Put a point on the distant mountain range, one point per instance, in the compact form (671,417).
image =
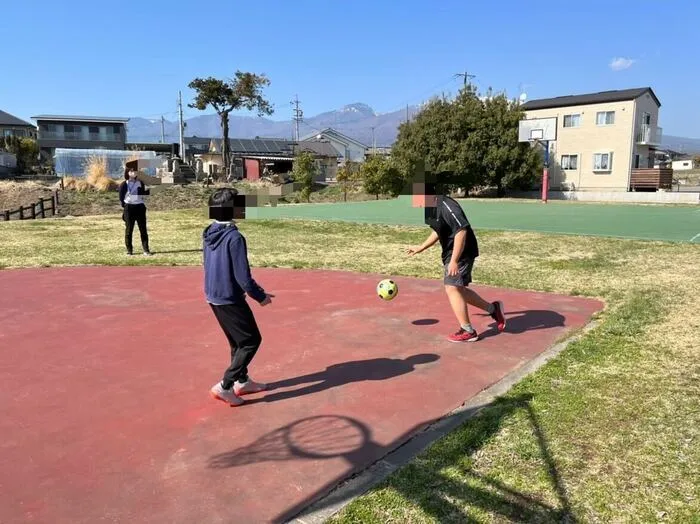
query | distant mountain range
(354,120)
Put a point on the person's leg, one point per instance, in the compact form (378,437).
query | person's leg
(143,230)
(244,337)
(458,304)
(129,231)
(453,287)
(495,309)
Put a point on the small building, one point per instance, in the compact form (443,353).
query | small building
(10,125)
(80,132)
(171,149)
(348,148)
(605,141)
(684,163)
(252,157)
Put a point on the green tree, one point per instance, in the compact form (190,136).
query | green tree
(507,163)
(381,176)
(348,177)
(444,134)
(304,172)
(469,142)
(244,91)
(25,149)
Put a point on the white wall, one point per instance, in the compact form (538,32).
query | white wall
(682,165)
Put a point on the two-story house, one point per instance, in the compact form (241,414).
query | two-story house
(10,125)
(601,138)
(80,132)
(348,148)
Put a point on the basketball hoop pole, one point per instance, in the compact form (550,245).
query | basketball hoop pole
(545,172)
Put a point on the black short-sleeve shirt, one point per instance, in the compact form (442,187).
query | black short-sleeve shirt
(447,219)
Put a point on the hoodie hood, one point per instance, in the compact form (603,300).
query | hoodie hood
(216,233)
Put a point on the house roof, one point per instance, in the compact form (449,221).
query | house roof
(78,118)
(6,119)
(267,146)
(590,98)
(317,147)
(335,134)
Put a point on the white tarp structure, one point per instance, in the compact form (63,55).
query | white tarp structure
(73,162)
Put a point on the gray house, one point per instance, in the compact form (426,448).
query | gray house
(12,126)
(80,132)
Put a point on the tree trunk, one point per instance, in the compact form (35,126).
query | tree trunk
(500,191)
(224,146)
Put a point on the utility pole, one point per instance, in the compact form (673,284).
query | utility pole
(162,129)
(182,127)
(298,114)
(466,76)
(374,144)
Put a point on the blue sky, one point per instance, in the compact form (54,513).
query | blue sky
(130,58)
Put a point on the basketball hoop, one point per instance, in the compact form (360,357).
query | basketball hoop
(540,132)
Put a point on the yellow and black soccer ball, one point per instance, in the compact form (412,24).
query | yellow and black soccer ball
(387,289)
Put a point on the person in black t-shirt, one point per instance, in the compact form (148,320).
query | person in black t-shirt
(459,250)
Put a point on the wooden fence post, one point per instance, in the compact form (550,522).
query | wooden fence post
(32,214)
(7,215)
(42,211)
(55,202)
(21,212)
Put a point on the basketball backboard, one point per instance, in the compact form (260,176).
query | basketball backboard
(542,129)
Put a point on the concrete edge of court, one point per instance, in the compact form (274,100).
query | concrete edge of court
(359,484)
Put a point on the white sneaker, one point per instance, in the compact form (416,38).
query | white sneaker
(225,395)
(246,388)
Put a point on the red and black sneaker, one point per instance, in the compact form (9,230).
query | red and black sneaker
(498,315)
(464,336)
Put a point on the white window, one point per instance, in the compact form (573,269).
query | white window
(569,161)
(602,161)
(605,118)
(572,120)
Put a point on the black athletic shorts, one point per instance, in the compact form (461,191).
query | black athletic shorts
(464,274)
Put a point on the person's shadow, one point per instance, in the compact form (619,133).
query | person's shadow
(346,373)
(527,320)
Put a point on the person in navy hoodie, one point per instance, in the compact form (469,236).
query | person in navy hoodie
(227,281)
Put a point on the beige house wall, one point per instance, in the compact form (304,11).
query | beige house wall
(588,139)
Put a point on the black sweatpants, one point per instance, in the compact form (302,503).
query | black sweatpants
(241,330)
(135,214)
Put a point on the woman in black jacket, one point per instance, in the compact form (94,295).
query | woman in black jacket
(131,193)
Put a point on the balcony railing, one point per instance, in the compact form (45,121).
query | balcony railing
(649,135)
(91,137)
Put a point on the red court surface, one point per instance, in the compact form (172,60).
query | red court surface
(104,407)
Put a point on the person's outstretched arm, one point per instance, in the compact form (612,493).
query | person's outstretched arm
(431,240)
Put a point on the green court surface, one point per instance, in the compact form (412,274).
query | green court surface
(644,222)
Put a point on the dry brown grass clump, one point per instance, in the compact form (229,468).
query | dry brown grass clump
(96,174)
(76,184)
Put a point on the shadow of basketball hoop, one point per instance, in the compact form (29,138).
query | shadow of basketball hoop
(318,437)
